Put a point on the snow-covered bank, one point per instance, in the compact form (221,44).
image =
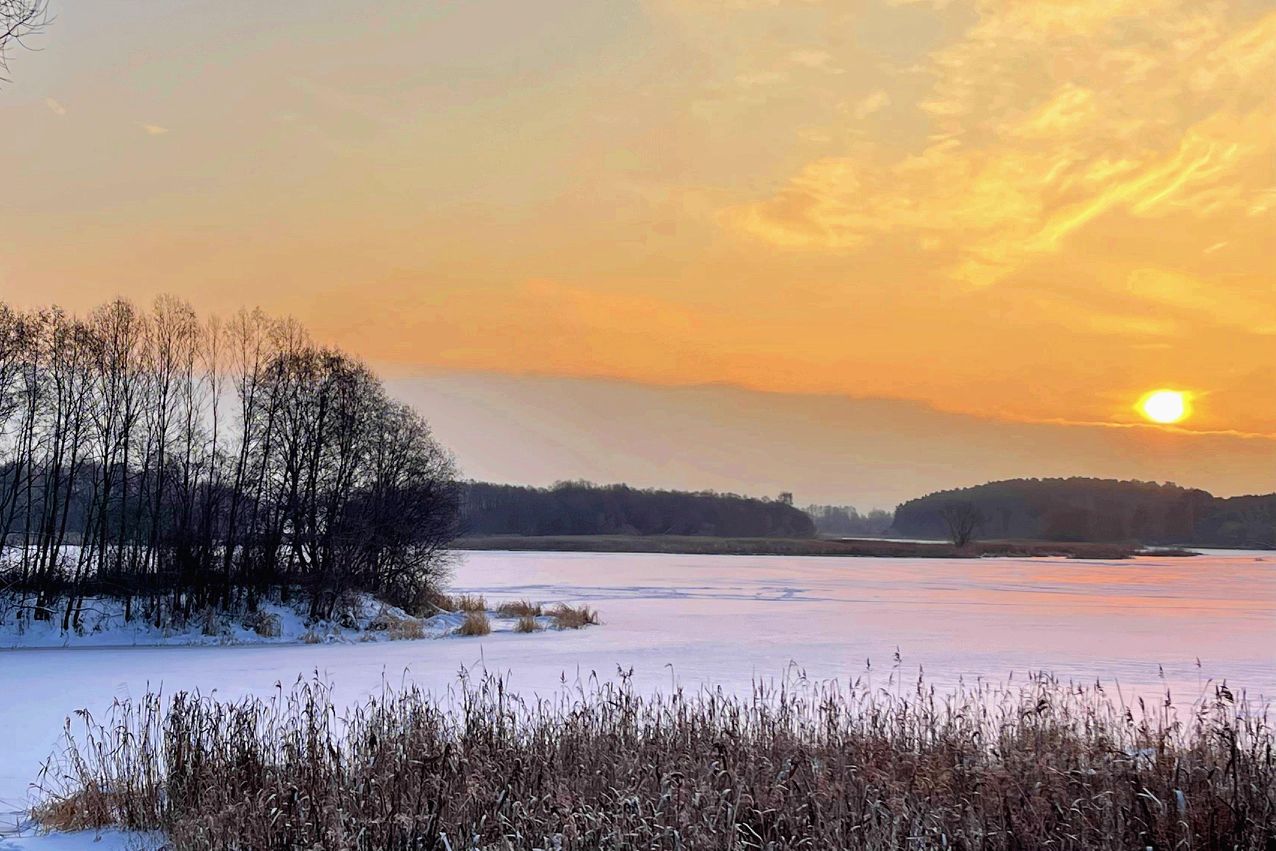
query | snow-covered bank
(363,619)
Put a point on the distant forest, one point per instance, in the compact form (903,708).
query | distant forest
(581,508)
(1080,509)
(844,520)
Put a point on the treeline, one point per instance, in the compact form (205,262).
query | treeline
(1083,509)
(179,463)
(845,520)
(581,508)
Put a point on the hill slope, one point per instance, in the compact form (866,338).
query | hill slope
(1082,509)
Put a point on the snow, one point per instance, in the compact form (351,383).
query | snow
(727,620)
(82,840)
(104,625)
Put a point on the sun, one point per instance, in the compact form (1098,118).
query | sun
(1164,406)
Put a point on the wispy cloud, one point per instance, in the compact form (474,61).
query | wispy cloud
(1143,110)
(154,129)
(875,102)
(55,107)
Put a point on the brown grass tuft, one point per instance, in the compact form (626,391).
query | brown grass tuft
(573,617)
(519,608)
(88,809)
(476,623)
(459,602)
(528,623)
(397,628)
(405,629)
(471,603)
(210,623)
(265,624)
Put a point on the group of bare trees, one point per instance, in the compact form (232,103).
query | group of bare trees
(179,464)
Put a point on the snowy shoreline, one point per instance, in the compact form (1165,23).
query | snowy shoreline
(365,620)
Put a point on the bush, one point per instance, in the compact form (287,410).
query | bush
(811,767)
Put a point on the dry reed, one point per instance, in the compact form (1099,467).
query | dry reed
(573,617)
(265,624)
(528,623)
(519,608)
(475,623)
(603,767)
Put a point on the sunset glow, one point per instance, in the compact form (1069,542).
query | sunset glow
(1165,406)
(1022,211)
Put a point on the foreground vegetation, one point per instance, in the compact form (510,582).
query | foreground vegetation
(605,768)
(700,545)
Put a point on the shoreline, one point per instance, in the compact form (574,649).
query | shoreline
(841,547)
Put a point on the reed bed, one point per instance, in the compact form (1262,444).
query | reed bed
(806,766)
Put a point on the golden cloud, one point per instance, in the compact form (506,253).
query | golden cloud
(1045,117)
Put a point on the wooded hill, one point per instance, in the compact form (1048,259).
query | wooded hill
(1082,509)
(581,508)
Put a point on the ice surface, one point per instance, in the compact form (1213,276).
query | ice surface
(727,620)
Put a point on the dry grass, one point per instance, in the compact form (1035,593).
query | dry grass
(602,767)
(84,810)
(311,637)
(459,602)
(572,617)
(210,623)
(471,603)
(528,623)
(405,629)
(476,623)
(519,609)
(397,628)
(265,624)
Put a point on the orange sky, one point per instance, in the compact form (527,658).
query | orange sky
(1017,209)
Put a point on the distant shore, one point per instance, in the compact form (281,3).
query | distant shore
(850,547)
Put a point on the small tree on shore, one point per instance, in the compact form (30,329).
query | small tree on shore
(963,518)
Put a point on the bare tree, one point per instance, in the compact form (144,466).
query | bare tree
(963,518)
(122,476)
(18,19)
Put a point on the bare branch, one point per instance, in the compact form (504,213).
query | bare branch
(19,19)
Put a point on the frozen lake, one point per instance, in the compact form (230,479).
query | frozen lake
(730,619)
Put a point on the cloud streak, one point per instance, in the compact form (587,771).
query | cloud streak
(1045,118)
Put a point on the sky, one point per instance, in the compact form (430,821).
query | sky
(1018,215)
